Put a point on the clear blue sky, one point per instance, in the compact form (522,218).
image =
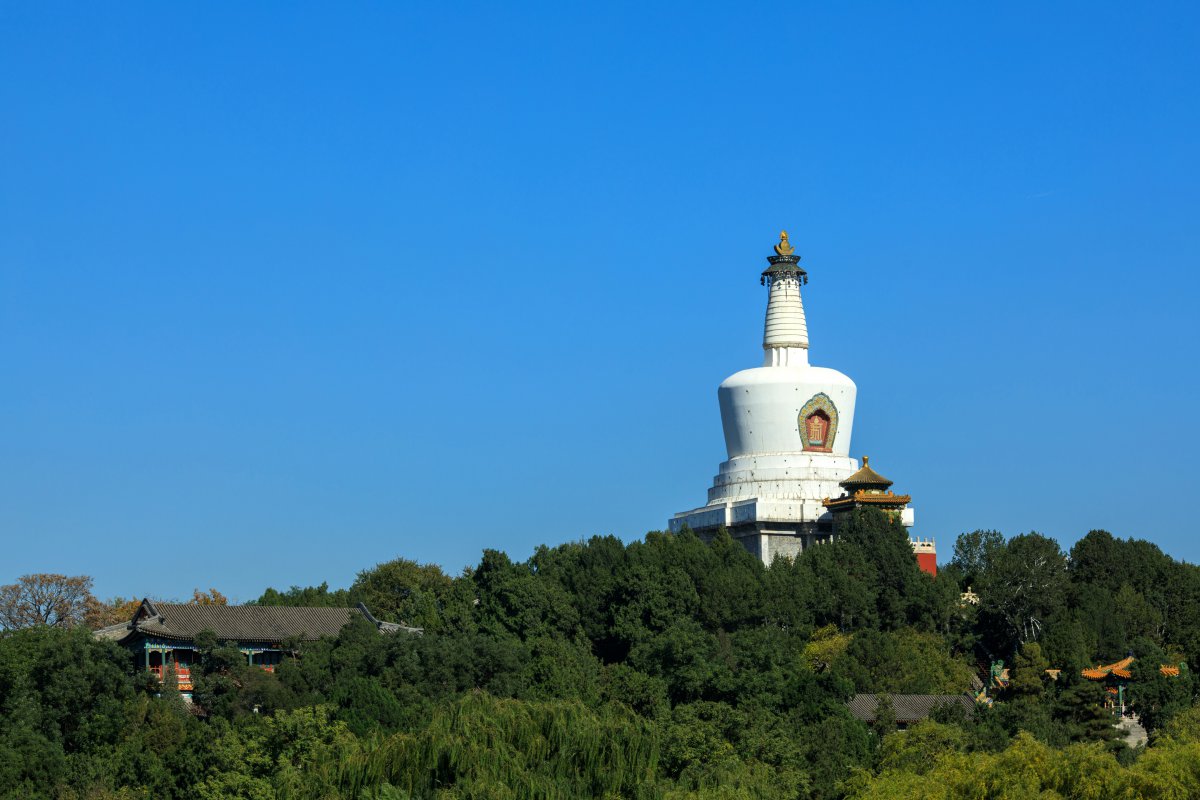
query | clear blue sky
(289,290)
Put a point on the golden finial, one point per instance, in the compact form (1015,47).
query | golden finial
(866,460)
(784,248)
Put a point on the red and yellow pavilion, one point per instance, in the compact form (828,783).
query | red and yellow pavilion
(868,489)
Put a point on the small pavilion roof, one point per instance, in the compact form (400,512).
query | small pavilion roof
(1121,670)
(865,478)
(1118,668)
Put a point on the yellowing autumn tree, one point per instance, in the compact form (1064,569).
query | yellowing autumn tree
(210,598)
(45,599)
(119,609)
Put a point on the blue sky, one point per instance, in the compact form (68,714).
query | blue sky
(289,290)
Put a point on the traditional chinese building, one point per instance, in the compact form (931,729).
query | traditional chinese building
(868,489)
(787,431)
(162,636)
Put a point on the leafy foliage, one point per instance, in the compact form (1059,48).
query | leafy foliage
(665,668)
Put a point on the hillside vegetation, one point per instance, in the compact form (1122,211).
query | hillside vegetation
(666,668)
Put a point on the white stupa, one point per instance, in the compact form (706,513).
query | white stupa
(787,431)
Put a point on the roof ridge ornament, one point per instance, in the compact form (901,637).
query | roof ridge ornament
(785,263)
(784,248)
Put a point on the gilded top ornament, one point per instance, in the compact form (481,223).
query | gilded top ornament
(784,248)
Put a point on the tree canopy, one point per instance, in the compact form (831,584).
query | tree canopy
(664,668)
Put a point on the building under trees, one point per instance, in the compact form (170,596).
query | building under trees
(163,636)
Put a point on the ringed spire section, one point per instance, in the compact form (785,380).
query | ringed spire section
(785,334)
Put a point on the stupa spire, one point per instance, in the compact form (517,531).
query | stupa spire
(785,334)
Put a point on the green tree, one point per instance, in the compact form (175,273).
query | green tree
(514,600)
(1066,643)
(484,747)
(974,555)
(839,585)
(903,662)
(365,706)
(1156,698)
(1138,618)
(63,697)
(834,748)
(598,579)
(227,686)
(918,749)
(1081,705)
(885,716)
(404,591)
(824,648)
(697,749)
(1029,672)
(688,659)
(901,589)
(1025,585)
(1183,728)
(560,669)
(309,596)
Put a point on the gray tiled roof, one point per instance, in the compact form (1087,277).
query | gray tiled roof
(114,632)
(908,708)
(243,623)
